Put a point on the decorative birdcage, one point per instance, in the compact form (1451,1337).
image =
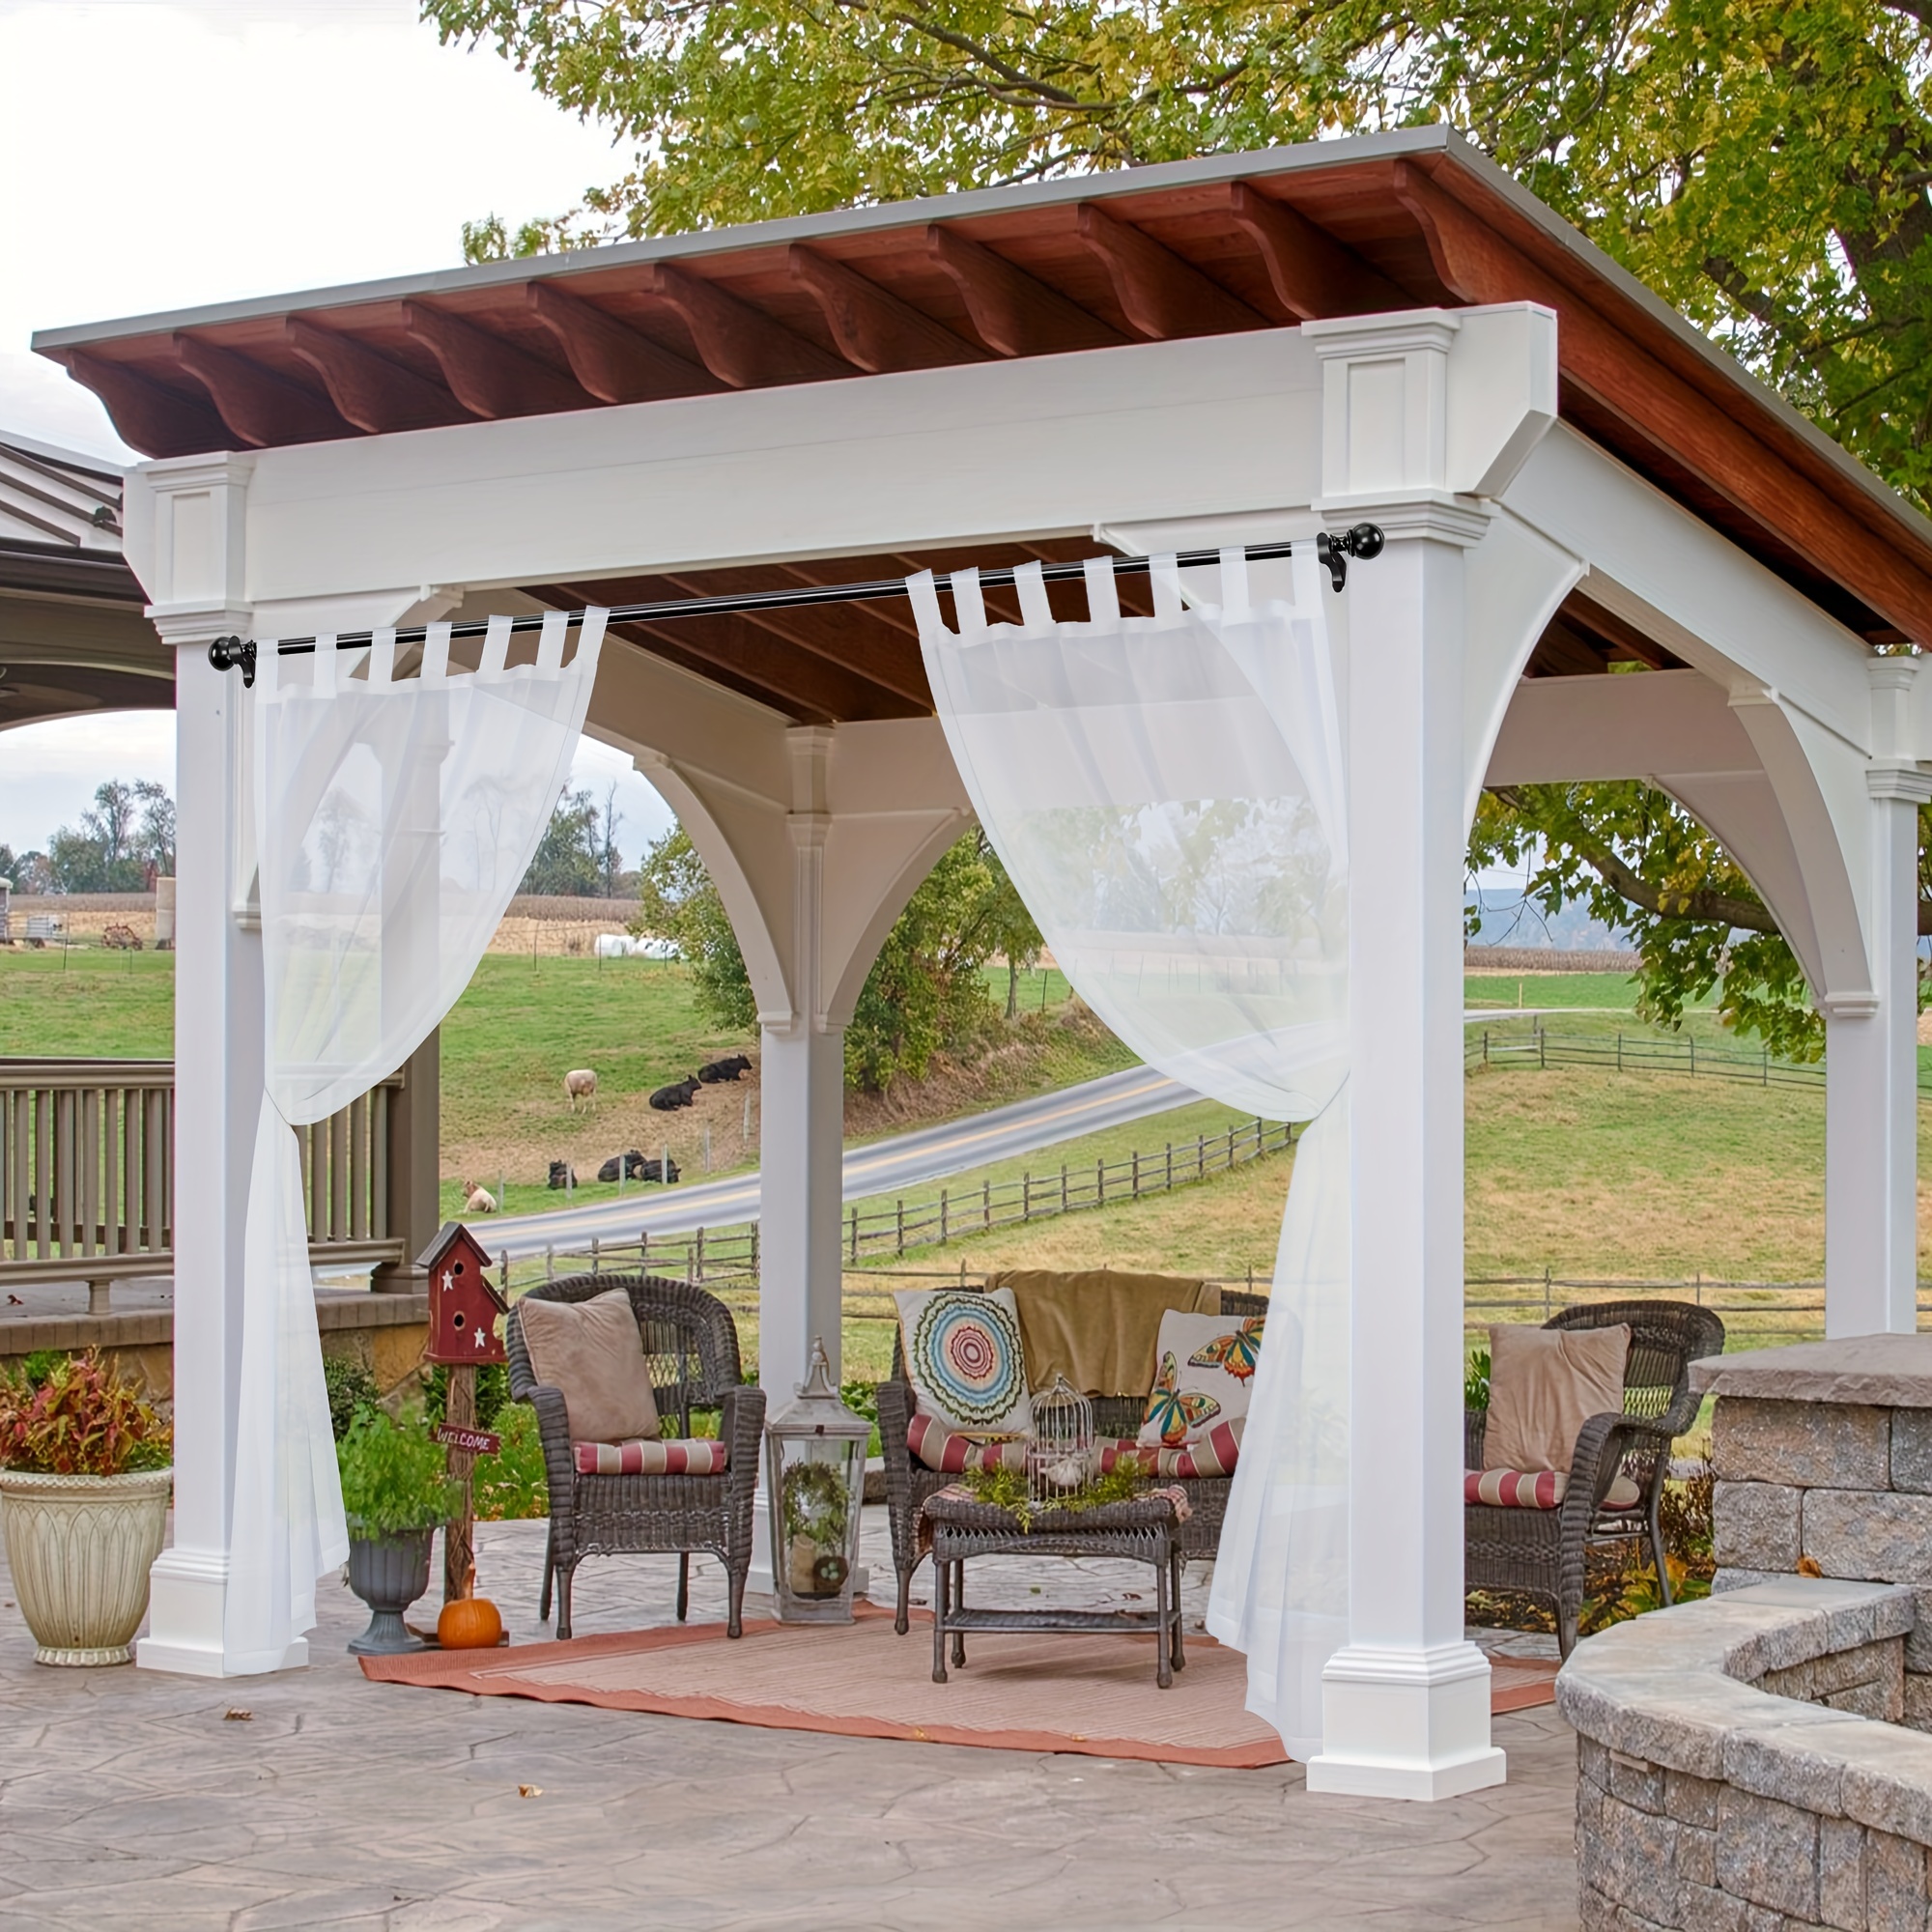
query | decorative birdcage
(1059,1453)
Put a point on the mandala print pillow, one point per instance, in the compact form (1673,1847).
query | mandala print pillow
(964,1360)
(1204,1371)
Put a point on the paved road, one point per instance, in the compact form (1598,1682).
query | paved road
(905,1161)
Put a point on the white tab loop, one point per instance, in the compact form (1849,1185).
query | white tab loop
(549,644)
(323,683)
(496,648)
(1103,594)
(436,655)
(1035,612)
(1235,600)
(382,660)
(969,603)
(1165,570)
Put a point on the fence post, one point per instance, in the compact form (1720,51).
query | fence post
(503,1272)
(1690,1040)
(1546,1290)
(1231,1150)
(1765,1078)
(898,1207)
(985,1206)
(1137,1174)
(700,1245)
(1620,1053)
(1542,1047)
(1026,1197)
(593,1258)
(550,1264)
(855,1235)
(1062,1187)
(1486,1046)
(1200,1157)
(1170,1167)
(943,1232)
(1100,1183)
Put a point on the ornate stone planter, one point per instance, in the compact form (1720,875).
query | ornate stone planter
(80,1549)
(388,1574)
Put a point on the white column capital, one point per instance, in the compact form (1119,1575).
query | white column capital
(1852,1006)
(1898,779)
(187,520)
(1433,516)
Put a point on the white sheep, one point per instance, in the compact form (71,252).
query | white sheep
(580,1085)
(477,1198)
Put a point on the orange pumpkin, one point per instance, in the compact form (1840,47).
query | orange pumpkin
(470,1623)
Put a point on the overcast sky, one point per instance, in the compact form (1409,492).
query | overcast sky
(155,157)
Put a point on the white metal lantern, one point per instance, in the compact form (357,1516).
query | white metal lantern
(815,1479)
(1060,1452)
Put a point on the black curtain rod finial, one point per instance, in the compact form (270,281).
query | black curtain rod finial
(225,653)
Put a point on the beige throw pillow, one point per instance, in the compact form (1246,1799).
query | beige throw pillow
(1545,1383)
(593,1352)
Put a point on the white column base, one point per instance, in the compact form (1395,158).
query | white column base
(186,1606)
(1405,1723)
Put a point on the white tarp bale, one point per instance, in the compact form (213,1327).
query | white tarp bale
(622,946)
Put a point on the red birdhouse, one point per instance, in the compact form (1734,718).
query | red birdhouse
(463,1303)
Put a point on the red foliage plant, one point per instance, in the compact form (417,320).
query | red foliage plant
(77,1418)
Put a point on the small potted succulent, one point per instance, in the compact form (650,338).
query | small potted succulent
(85,1477)
(396,1489)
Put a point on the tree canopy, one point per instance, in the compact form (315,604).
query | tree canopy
(1763,165)
(925,992)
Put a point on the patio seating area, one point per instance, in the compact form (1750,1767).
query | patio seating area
(357,1804)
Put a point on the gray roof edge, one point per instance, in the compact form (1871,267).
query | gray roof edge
(699,242)
(102,469)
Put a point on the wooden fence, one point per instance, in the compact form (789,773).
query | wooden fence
(87,1174)
(1494,1047)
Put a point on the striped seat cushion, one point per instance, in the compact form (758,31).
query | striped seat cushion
(1215,1453)
(1537,1489)
(938,1448)
(693,1456)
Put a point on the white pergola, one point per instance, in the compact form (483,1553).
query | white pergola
(1382,329)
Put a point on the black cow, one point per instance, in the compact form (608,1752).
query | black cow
(679,1094)
(635,1167)
(562,1174)
(724,1069)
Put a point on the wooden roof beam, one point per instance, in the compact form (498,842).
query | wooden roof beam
(1162,295)
(741,345)
(1479,266)
(657,641)
(874,327)
(490,377)
(1314,275)
(156,420)
(371,391)
(1014,313)
(615,363)
(260,406)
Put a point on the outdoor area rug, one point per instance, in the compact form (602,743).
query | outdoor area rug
(1045,1692)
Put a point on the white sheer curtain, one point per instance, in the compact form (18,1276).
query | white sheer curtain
(393,821)
(1168,793)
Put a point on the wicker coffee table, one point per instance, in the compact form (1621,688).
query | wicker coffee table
(1146,1530)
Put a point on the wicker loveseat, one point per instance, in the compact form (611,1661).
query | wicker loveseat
(1541,1551)
(909,1482)
(690,1346)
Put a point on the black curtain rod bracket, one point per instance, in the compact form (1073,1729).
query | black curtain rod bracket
(1362,541)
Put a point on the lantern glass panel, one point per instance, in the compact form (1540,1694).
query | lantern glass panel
(1060,1454)
(815,1477)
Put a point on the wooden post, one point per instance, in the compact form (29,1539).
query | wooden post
(459,1536)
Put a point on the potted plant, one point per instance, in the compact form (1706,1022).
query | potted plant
(85,1476)
(395,1490)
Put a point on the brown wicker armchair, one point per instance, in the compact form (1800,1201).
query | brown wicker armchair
(908,1483)
(1542,1552)
(691,1344)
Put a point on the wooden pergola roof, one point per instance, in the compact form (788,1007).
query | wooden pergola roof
(1252,242)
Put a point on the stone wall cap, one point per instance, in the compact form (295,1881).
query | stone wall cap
(1879,1371)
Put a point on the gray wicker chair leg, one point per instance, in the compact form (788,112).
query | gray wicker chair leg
(735,1616)
(550,1572)
(683,1583)
(1658,1556)
(564,1575)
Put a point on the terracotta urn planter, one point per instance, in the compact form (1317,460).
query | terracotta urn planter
(80,1549)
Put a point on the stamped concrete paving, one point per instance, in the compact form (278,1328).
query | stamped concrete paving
(132,1799)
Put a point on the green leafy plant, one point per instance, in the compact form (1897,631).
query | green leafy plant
(1007,1489)
(351,1386)
(1476,1380)
(74,1417)
(493,1393)
(511,1485)
(394,1476)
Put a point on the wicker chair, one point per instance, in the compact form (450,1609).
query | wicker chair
(1541,1552)
(691,1344)
(908,1483)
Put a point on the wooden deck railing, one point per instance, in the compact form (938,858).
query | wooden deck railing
(87,1166)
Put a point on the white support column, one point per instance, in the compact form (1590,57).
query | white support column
(1871,1056)
(192,531)
(1405,1705)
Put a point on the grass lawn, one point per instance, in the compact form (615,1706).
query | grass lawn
(82,1002)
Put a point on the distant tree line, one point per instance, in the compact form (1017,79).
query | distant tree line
(578,857)
(126,838)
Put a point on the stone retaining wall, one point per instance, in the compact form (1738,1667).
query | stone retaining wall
(1709,1797)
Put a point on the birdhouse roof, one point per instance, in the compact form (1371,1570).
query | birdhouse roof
(446,1238)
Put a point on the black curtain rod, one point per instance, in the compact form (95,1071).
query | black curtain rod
(1363,541)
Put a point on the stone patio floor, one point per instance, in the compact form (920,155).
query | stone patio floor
(133,1798)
